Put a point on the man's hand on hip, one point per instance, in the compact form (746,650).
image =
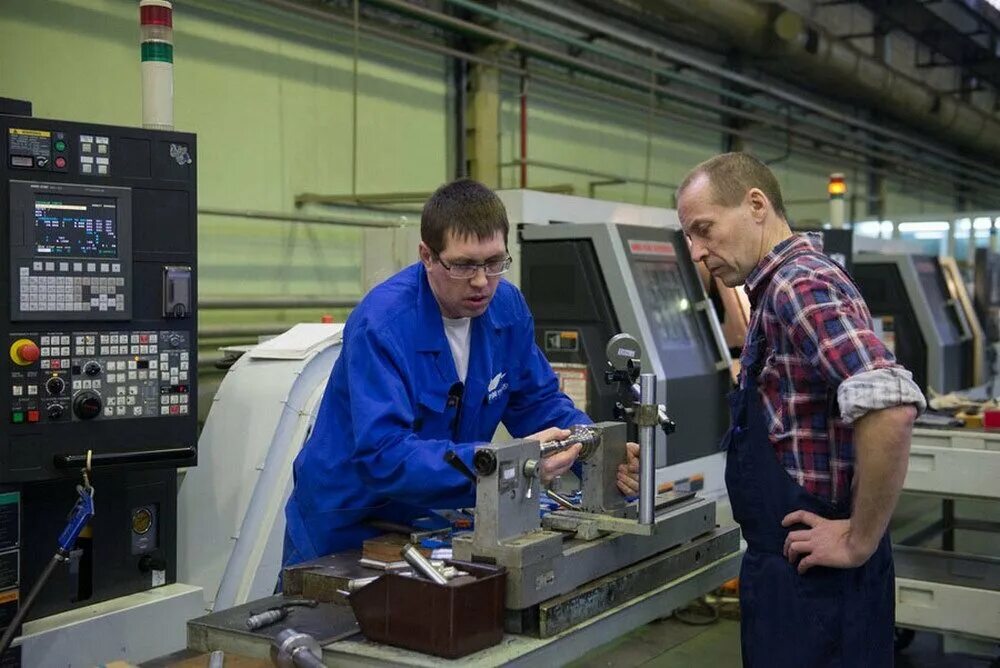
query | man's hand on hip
(824,543)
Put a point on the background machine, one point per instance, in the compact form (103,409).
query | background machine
(922,317)
(98,274)
(586,282)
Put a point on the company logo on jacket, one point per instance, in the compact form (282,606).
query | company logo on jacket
(495,388)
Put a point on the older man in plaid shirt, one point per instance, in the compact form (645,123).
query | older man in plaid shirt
(820,432)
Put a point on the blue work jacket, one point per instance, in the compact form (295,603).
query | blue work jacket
(388,415)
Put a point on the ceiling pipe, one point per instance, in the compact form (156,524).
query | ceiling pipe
(810,52)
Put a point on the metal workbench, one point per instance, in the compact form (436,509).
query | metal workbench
(513,650)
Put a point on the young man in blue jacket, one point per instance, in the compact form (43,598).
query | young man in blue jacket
(433,359)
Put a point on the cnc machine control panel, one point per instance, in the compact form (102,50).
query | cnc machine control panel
(100,231)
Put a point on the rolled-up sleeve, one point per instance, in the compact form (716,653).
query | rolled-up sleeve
(874,390)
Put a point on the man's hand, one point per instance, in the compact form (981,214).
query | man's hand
(824,543)
(628,473)
(559,463)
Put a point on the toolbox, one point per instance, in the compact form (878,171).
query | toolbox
(449,621)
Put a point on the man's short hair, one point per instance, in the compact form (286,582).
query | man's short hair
(467,208)
(731,175)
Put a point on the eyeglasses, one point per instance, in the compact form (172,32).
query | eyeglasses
(465,271)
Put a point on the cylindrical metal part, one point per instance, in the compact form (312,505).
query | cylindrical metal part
(561,500)
(291,649)
(383,566)
(421,565)
(217,659)
(359,583)
(583,435)
(647,453)
(266,618)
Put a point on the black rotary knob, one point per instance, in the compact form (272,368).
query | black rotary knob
(92,369)
(485,462)
(176,340)
(55,385)
(55,411)
(87,405)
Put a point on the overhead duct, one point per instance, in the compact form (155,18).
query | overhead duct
(811,53)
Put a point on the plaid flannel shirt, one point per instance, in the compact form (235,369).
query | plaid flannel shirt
(821,355)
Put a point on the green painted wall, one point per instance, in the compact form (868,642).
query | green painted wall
(270,98)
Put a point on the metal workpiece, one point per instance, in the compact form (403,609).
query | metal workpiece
(561,500)
(421,565)
(582,435)
(291,649)
(217,659)
(266,618)
(647,451)
(388,567)
(359,583)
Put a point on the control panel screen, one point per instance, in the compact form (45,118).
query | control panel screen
(76,226)
(667,304)
(671,315)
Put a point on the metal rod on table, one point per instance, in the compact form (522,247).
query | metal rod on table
(421,565)
(647,452)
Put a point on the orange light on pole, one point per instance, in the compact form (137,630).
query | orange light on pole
(836,187)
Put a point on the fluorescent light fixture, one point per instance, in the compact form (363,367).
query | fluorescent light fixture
(925,226)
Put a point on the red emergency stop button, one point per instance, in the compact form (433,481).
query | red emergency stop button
(24,352)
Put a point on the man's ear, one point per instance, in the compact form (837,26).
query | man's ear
(759,205)
(426,256)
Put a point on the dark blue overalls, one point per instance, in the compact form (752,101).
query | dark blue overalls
(826,617)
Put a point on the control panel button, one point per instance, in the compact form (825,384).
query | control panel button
(24,352)
(33,416)
(60,145)
(17,417)
(55,385)
(60,162)
(87,405)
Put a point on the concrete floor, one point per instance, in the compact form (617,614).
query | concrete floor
(668,642)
